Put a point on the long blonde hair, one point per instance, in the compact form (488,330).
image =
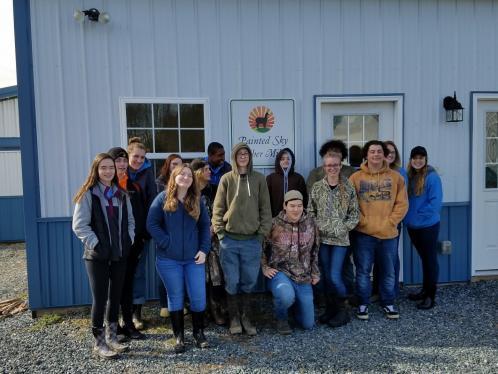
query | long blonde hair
(416,179)
(93,176)
(192,199)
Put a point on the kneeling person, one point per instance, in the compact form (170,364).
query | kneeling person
(290,262)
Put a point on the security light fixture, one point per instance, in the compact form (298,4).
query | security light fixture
(93,15)
(454,110)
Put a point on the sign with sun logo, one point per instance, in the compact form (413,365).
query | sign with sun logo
(261,119)
(266,125)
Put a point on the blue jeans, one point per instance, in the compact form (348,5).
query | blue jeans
(176,275)
(240,261)
(286,293)
(383,252)
(332,260)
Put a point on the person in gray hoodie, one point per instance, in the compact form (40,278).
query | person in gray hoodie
(103,221)
(241,220)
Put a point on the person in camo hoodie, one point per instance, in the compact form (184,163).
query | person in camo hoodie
(290,262)
(241,220)
(334,205)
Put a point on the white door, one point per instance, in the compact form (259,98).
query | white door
(356,120)
(485,185)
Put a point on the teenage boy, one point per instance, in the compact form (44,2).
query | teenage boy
(290,262)
(217,165)
(383,204)
(241,220)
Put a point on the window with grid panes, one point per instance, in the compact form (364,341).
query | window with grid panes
(355,130)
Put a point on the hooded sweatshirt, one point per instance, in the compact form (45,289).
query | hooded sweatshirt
(292,248)
(276,182)
(241,208)
(383,201)
(425,209)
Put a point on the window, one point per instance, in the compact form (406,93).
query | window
(491,161)
(355,130)
(167,125)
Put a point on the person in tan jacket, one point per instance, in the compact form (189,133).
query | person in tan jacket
(383,204)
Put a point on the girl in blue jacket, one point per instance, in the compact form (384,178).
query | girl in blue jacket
(179,224)
(422,220)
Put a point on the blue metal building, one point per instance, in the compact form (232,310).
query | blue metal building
(168,70)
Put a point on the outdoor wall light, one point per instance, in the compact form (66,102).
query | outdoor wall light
(454,110)
(92,14)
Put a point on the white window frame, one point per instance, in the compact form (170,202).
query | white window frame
(396,99)
(165,100)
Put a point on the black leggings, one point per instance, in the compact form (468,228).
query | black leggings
(131,267)
(106,283)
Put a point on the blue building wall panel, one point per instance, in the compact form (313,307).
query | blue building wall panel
(11,219)
(455,267)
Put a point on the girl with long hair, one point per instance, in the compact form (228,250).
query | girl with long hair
(141,176)
(425,196)
(179,224)
(171,162)
(334,205)
(103,221)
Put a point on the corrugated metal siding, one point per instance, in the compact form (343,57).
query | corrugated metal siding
(9,118)
(455,221)
(10,172)
(57,275)
(223,49)
(11,219)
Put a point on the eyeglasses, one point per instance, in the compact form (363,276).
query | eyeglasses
(332,166)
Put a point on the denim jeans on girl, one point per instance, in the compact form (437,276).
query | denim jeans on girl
(176,275)
(286,293)
(240,261)
(332,260)
(367,250)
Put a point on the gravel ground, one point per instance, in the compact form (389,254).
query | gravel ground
(459,335)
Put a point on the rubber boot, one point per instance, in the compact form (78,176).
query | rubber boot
(246,312)
(111,338)
(234,315)
(100,347)
(343,315)
(330,309)
(177,322)
(198,329)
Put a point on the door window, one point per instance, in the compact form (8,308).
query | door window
(491,161)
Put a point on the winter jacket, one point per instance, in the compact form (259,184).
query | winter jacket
(241,208)
(425,209)
(275,182)
(178,236)
(91,226)
(318,174)
(334,220)
(292,248)
(383,201)
(144,178)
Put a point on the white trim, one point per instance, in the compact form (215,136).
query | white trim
(476,98)
(397,100)
(166,100)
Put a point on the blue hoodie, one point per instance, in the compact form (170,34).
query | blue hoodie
(424,210)
(178,236)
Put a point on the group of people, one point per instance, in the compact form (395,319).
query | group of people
(216,225)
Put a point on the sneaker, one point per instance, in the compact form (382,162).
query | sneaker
(164,313)
(362,312)
(390,312)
